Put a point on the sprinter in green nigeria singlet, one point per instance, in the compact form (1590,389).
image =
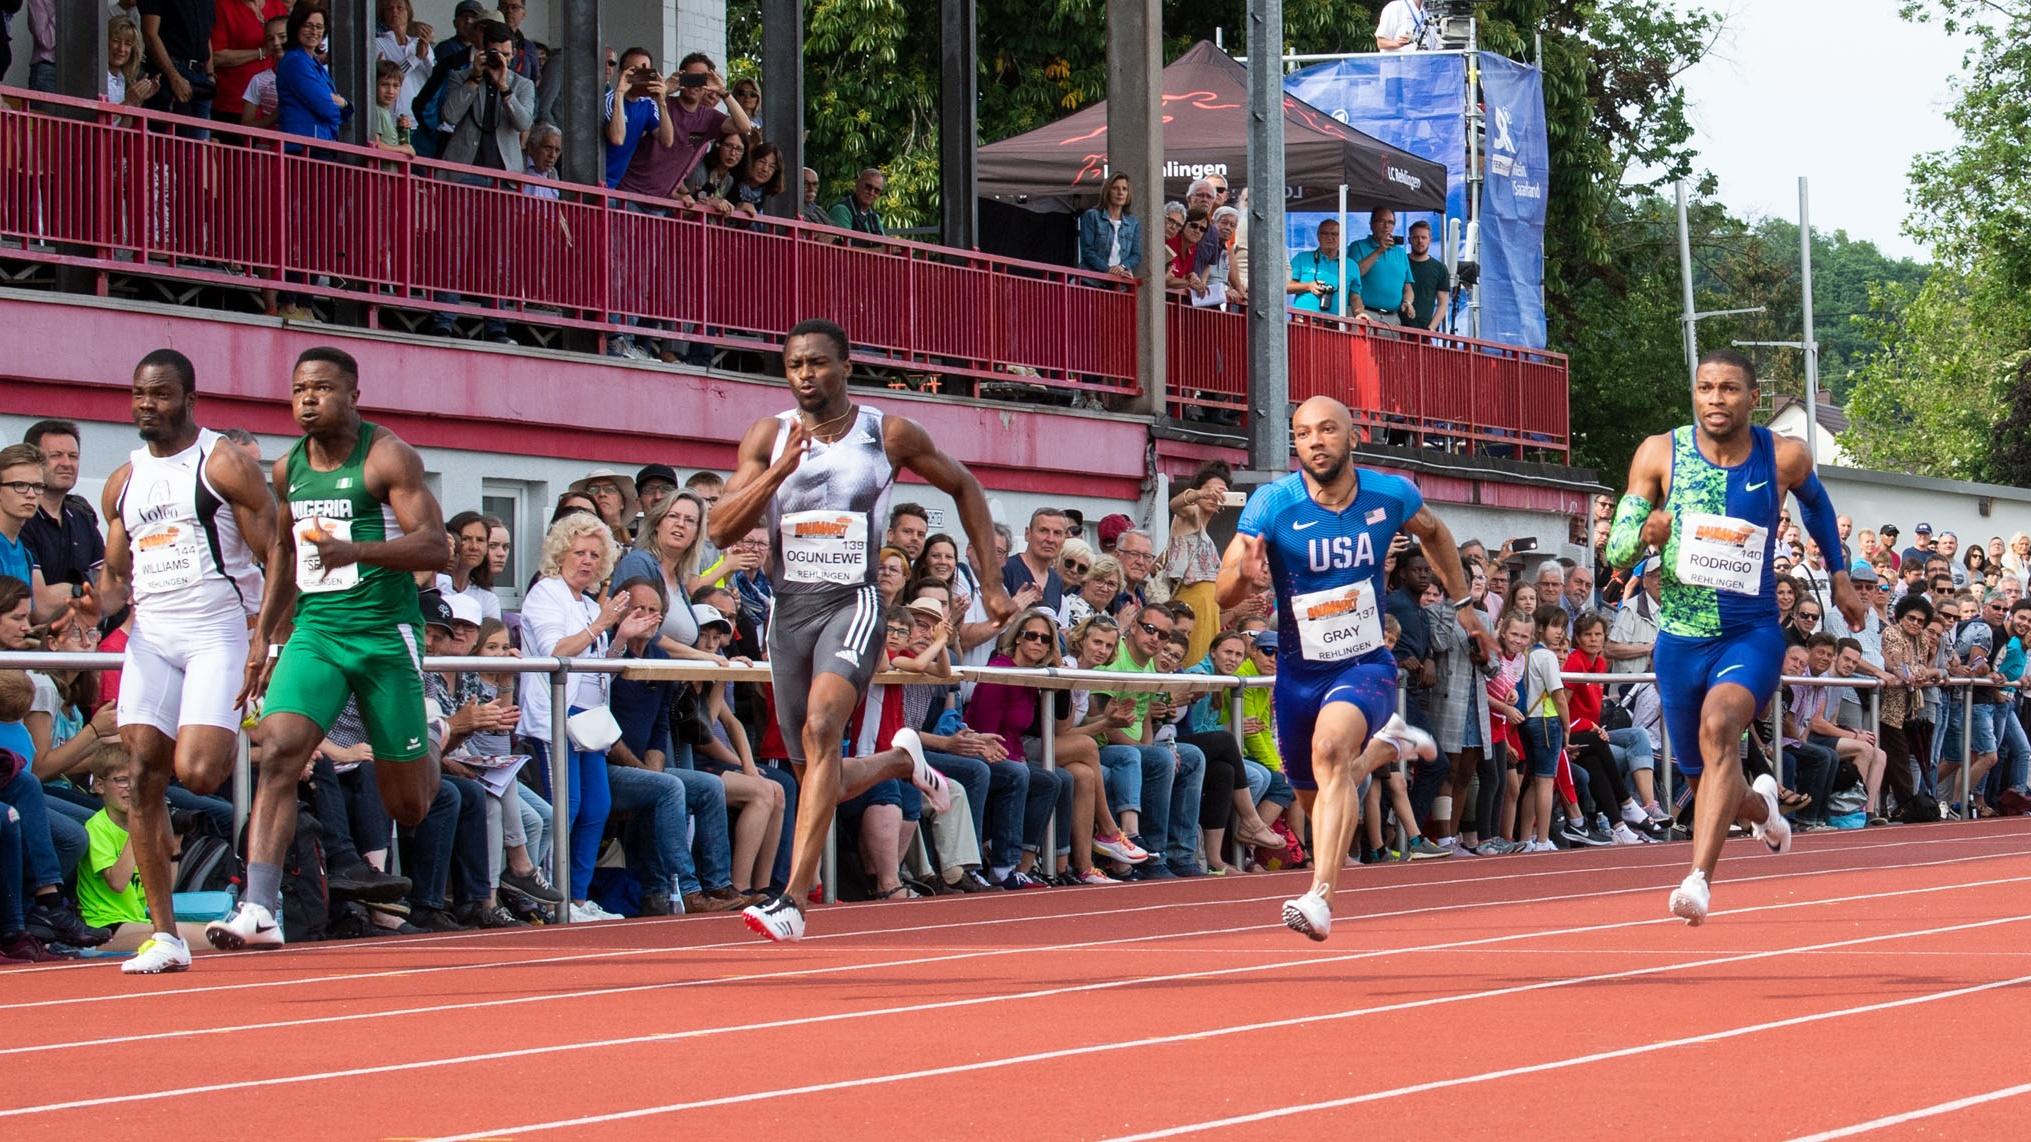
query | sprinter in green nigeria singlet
(358,628)
(357,522)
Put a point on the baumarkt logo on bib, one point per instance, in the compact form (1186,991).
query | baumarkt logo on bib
(1334,608)
(1723,533)
(822,528)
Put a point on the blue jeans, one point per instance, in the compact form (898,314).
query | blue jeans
(1815,766)
(535,824)
(450,841)
(1121,772)
(779,876)
(1258,780)
(198,108)
(585,771)
(11,889)
(1049,791)
(51,844)
(2012,748)
(1543,738)
(674,810)
(1632,749)
(217,809)
(1171,791)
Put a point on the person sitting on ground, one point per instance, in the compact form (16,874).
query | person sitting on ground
(109,883)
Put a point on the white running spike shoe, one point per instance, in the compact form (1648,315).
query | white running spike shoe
(158,953)
(1690,899)
(937,790)
(779,919)
(248,925)
(1775,831)
(1411,743)
(1310,914)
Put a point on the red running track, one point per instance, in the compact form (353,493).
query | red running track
(1869,984)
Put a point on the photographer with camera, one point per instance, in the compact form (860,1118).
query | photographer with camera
(1315,275)
(1405,26)
(696,106)
(488,106)
(633,107)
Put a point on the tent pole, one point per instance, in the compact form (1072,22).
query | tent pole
(1340,256)
(1474,160)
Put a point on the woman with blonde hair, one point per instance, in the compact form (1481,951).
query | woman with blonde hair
(669,552)
(562,617)
(1192,562)
(2017,559)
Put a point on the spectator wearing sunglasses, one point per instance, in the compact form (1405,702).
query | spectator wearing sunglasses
(1806,619)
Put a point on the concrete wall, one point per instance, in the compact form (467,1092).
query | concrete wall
(1877,498)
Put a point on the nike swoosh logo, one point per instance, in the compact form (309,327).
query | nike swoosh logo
(1304,525)
(1754,486)
(1729,670)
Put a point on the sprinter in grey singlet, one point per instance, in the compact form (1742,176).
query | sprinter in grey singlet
(818,477)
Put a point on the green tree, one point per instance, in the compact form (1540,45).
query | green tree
(1947,375)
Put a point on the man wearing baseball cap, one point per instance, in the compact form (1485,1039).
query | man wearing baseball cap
(1886,539)
(1920,549)
(654,484)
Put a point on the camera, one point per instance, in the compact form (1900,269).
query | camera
(691,79)
(497,60)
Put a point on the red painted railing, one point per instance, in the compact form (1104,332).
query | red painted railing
(1407,386)
(120,191)
(91,185)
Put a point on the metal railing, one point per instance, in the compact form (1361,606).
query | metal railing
(111,190)
(1405,385)
(117,189)
(559,670)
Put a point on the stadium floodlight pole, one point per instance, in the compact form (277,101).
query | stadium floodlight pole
(1268,332)
(1808,334)
(1689,320)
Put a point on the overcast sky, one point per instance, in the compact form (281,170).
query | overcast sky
(1842,91)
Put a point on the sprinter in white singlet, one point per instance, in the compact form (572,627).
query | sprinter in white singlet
(185,515)
(819,477)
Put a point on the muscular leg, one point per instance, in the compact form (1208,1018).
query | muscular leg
(1723,796)
(287,741)
(1341,756)
(407,787)
(824,786)
(150,762)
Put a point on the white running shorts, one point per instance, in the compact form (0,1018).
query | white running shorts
(192,683)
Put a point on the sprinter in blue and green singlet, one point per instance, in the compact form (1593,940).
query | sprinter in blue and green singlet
(356,522)
(1709,496)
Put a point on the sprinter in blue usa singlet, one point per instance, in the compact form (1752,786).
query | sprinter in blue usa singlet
(1318,537)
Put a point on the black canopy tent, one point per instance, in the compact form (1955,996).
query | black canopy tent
(1061,165)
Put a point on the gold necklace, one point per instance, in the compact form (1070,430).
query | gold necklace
(818,431)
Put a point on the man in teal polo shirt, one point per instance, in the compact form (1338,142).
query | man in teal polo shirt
(1385,270)
(1315,275)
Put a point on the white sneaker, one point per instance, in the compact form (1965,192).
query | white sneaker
(780,920)
(159,953)
(1535,846)
(937,790)
(248,926)
(1634,814)
(1121,848)
(589,913)
(1624,835)
(1775,831)
(1690,899)
(1410,742)
(1309,914)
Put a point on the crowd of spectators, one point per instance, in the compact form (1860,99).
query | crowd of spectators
(1540,747)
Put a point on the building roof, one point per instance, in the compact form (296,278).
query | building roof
(1832,417)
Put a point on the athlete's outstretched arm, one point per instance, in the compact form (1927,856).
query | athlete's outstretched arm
(1639,521)
(278,591)
(394,474)
(1443,552)
(910,447)
(115,585)
(237,476)
(1795,468)
(755,479)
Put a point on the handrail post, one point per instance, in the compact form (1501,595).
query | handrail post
(1402,772)
(1665,770)
(828,868)
(560,787)
(1967,741)
(1048,731)
(1876,732)
(1777,732)
(243,783)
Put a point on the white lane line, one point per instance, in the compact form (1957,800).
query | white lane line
(920,959)
(1103,985)
(1672,857)
(1622,1053)
(1305,1020)
(988,922)
(1933,1111)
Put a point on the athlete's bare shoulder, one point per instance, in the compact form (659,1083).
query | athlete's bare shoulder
(1794,463)
(116,486)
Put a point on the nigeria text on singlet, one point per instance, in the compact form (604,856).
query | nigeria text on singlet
(338,503)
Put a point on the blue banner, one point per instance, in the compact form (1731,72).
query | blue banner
(1417,101)
(1513,203)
